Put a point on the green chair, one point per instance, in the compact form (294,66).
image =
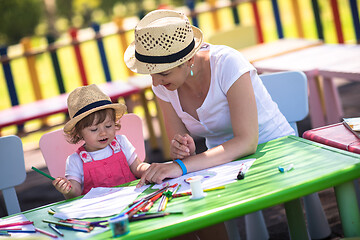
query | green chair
(289,90)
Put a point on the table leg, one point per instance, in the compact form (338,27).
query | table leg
(164,137)
(296,220)
(332,101)
(152,136)
(315,107)
(348,209)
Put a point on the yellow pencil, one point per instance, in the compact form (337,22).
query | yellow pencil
(189,193)
(215,188)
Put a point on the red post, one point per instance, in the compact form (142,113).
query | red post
(79,60)
(257,22)
(337,22)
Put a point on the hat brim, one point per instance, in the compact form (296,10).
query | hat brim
(119,108)
(143,68)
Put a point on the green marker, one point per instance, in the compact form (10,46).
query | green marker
(41,172)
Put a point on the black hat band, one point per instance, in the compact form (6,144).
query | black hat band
(168,58)
(92,106)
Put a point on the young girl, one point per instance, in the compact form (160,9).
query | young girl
(105,159)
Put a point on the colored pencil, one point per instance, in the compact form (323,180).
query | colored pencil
(42,173)
(46,233)
(4,233)
(16,224)
(132,207)
(151,202)
(58,223)
(21,231)
(175,191)
(165,197)
(5,229)
(143,217)
(134,211)
(73,221)
(189,193)
(56,230)
(162,200)
(68,226)
(150,195)
(74,228)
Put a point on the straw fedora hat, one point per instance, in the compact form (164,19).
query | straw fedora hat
(88,99)
(164,39)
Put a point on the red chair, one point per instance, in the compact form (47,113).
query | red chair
(55,149)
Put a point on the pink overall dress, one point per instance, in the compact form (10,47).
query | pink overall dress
(109,172)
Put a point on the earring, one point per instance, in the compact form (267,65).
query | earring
(191,71)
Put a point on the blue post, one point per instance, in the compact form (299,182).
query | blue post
(191,6)
(355,17)
(9,78)
(10,82)
(101,48)
(235,13)
(56,65)
(319,28)
(277,18)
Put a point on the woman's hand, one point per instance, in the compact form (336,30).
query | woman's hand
(182,146)
(62,184)
(157,172)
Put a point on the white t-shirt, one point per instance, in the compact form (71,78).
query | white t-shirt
(227,65)
(74,164)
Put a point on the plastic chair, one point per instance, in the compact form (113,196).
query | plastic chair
(237,37)
(55,149)
(289,90)
(12,171)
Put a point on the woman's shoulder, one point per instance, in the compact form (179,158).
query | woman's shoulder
(219,49)
(224,53)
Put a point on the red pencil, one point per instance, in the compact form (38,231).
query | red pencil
(151,202)
(46,233)
(16,224)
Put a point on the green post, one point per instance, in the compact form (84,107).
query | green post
(348,209)
(295,217)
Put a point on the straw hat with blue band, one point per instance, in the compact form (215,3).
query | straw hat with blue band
(86,100)
(164,39)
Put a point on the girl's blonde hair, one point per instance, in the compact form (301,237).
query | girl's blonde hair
(75,135)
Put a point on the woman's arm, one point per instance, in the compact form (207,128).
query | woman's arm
(243,113)
(181,144)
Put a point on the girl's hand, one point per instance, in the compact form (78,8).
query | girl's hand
(157,172)
(182,146)
(62,184)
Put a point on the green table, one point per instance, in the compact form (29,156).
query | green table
(317,167)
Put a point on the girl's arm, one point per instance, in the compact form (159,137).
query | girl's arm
(138,167)
(69,188)
(243,113)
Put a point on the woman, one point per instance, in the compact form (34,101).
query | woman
(205,90)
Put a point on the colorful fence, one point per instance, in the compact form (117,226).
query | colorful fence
(65,64)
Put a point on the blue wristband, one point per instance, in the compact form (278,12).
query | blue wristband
(182,165)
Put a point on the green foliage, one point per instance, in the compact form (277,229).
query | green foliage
(64,9)
(18,19)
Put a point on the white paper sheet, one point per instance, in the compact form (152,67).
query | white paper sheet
(212,177)
(99,202)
